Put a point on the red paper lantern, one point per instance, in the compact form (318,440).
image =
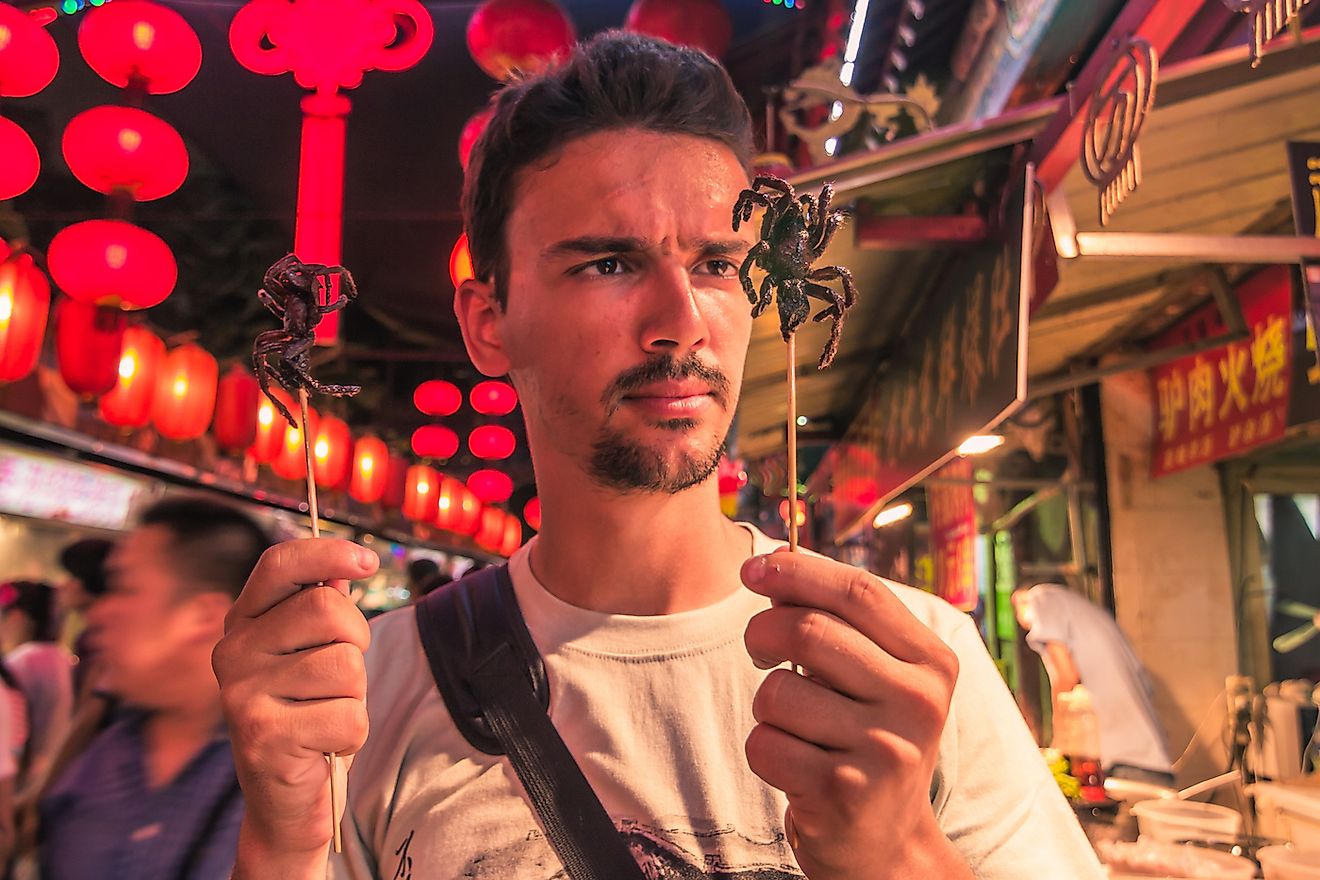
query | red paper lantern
(88,340)
(22,162)
(434,441)
(468,516)
(28,56)
(419,500)
(396,482)
(437,397)
(512,539)
(518,36)
(491,398)
(236,410)
(291,462)
(701,24)
(532,513)
(110,262)
(185,393)
(801,512)
(490,486)
(490,533)
(492,442)
(24,306)
(128,404)
(468,137)
(122,148)
(140,42)
(271,426)
(448,504)
(460,262)
(332,451)
(370,467)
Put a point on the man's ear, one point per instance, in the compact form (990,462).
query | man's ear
(481,319)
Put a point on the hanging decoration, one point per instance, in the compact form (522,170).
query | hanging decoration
(270,427)
(370,469)
(492,442)
(1268,20)
(291,462)
(490,533)
(492,398)
(332,451)
(701,24)
(532,512)
(436,397)
(396,482)
(434,441)
(1123,96)
(468,137)
(490,486)
(88,341)
(448,504)
(28,61)
(468,517)
(460,262)
(112,263)
(511,37)
(236,410)
(122,148)
(419,501)
(128,404)
(24,307)
(328,45)
(185,393)
(140,45)
(512,539)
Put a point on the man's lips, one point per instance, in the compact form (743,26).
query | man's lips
(671,399)
(670,390)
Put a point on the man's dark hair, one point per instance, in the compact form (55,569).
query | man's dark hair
(213,546)
(85,560)
(613,81)
(420,570)
(35,600)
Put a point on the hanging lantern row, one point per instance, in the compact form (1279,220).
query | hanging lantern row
(436,397)
(28,62)
(24,306)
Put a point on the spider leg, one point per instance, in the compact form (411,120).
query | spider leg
(793,306)
(334,306)
(262,367)
(276,308)
(839,304)
(769,181)
(826,273)
(764,301)
(761,247)
(747,201)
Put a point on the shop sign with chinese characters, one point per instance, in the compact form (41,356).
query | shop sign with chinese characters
(952,510)
(960,370)
(1230,399)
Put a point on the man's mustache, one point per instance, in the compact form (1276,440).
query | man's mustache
(666,368)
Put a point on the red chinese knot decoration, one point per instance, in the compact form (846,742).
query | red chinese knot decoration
(140,44)
(507,37)
(24,307)
(128,404)
(121,148)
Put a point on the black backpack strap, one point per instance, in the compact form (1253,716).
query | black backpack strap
(493,682)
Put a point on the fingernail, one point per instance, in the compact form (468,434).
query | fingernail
(365,557)
(764,664)
(755,573)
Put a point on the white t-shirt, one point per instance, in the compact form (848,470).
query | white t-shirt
(44,671)
(1120,689)
(656,710)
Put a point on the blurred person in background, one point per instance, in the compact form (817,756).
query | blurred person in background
(41,669)
(85,563)
(154,794)
(1080,643)
(424,575)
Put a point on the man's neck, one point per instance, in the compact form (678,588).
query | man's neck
(639,553)
(173,736)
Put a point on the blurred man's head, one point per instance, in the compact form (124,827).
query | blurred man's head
(85,562)
(419,572)
(171,582)
(27,613)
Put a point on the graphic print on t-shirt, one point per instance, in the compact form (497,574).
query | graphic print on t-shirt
(717,854)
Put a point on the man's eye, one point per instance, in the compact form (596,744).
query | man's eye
(607,266)
(718,268)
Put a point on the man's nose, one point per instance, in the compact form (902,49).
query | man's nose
(673,320)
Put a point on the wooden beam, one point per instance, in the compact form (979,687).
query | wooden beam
(1158,22)
(919,233)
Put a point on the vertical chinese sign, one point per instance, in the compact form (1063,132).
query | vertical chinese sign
(1304,170)
(952,510)
(1230,399)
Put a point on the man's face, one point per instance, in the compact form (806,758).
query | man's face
(626,326)
(144,621)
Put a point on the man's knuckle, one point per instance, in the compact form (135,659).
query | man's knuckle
(860,589)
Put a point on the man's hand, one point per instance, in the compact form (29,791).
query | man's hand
(294,686)
(853,742)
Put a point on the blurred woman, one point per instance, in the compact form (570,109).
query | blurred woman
(41,668)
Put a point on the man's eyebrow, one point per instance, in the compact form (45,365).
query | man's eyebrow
(722,247)
(587,245)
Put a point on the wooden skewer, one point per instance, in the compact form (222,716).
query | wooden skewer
(332,757)
(792,444)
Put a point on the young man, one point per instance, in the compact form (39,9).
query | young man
(154,794)
(599,207)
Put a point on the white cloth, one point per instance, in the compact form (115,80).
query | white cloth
(44,672)
(1120,689)
(656,710)
(8,767)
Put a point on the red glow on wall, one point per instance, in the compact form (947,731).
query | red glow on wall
(22,162)
(437,397)
(434,441)
(121,148)
(490,486)
(88,340)
(110,262)
(24,307)
(491,398)
(506,37)
(131,42)
(371,458)
(185,393)
(28,56)
(128,404)
(492,442)
(236,410)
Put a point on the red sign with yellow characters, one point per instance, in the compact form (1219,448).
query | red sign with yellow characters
(1226,400)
